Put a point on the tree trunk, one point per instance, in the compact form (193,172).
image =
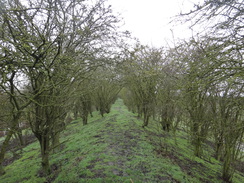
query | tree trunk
(102,112)
(107,109)
(218,152)
(197,146)
(56,142)
(85,117)
(139,111)
(3,150)
(146,119)
(45,163)
(165,121)
(45,156)
(219,146)
(44,144)
(85,111)
(20,136)
(227,173)
(90,108)
(196,139)
(165,125)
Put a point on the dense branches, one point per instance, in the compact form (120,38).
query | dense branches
(223,79)
(52,45)
(212,95)
(142,69)
(61,58)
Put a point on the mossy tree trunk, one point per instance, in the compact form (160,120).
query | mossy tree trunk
(85,109)
(146,115)
(44,141)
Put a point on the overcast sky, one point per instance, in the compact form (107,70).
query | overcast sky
(148,20)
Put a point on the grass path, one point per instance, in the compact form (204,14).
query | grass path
(128,156)
(116,149)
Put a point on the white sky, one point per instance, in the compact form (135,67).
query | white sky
(148,20)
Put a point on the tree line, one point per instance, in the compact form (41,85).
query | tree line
(197,84)
(63,60)
(49,51)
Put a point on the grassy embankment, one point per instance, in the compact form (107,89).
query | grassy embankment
(116,149)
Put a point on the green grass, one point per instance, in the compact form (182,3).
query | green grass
(116,148)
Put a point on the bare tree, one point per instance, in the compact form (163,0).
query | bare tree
(53,43)
(141,72)
(211,91)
